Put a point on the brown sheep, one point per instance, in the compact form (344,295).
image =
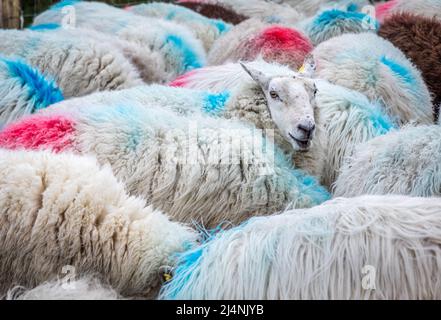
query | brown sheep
(215,11)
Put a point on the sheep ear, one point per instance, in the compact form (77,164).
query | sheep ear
(308,67)
(257,76)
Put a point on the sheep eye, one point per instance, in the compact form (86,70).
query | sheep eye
(274,95)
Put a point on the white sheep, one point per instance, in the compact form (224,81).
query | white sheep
(197,168)
(180,100)
(150,64)
(23,90)
(337,111)
(86,288)
(370,247)
(311,7)
(264,10)
(333,22)
(253,38)
(427,8)
(373,66)
(403,162)
(51,217)
(178,46)
(78,66)
(205,29)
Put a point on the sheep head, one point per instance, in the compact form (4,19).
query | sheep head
(291,103)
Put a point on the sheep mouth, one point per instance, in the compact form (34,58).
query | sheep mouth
(303,144)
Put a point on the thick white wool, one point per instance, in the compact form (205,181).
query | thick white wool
(179,48)
(404,162)
(79,66)
(371,247)
(150,64)
(228,48)
(86,288)
(60,210)
(23,90)
(205,29)
(198,168)
(373,66)
(180,100)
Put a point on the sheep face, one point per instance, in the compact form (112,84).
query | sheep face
(291,103)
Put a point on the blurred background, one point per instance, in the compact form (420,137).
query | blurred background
(16,14)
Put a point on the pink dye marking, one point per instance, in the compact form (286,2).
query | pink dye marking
(128,8)
(280,44)
(382,10)
(39,132)
(182,80)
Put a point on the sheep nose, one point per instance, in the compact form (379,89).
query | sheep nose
(306,127)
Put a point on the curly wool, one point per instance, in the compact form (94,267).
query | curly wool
(420,39)
(51,217)
(23,90)
(404,162)
(180,100)
(64,59)
(201,169)
(85,288)
(150,64)
(206,30)
(179,48)
(342,249)
(253,38)
(214,11)
(332,23)
(373,66)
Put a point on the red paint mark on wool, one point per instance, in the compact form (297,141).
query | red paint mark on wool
(281,44)
(182,80)
(128,8)
(39,132)
(382,9)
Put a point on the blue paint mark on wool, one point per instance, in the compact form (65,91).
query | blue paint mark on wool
(220,25)
(214,103)
(398,69)
(381,122)
(352,7)
(190,59)
(43,91)
(64,3)
(45,26)
(333,16)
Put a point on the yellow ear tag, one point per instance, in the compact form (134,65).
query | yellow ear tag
(302,69)
(167,277)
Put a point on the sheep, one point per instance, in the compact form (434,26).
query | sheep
(78,66)
(373,66)
(334,22)
(179,100)
(338,112)
(51,217)
(369,247)
(266,11)
(420,39)
(403,162)
(427,8)
(310,7)
(197,169)
(23,90)
(206,30)
(253,38)
(178,46)
(86,288)
(150,64)
(214,11)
